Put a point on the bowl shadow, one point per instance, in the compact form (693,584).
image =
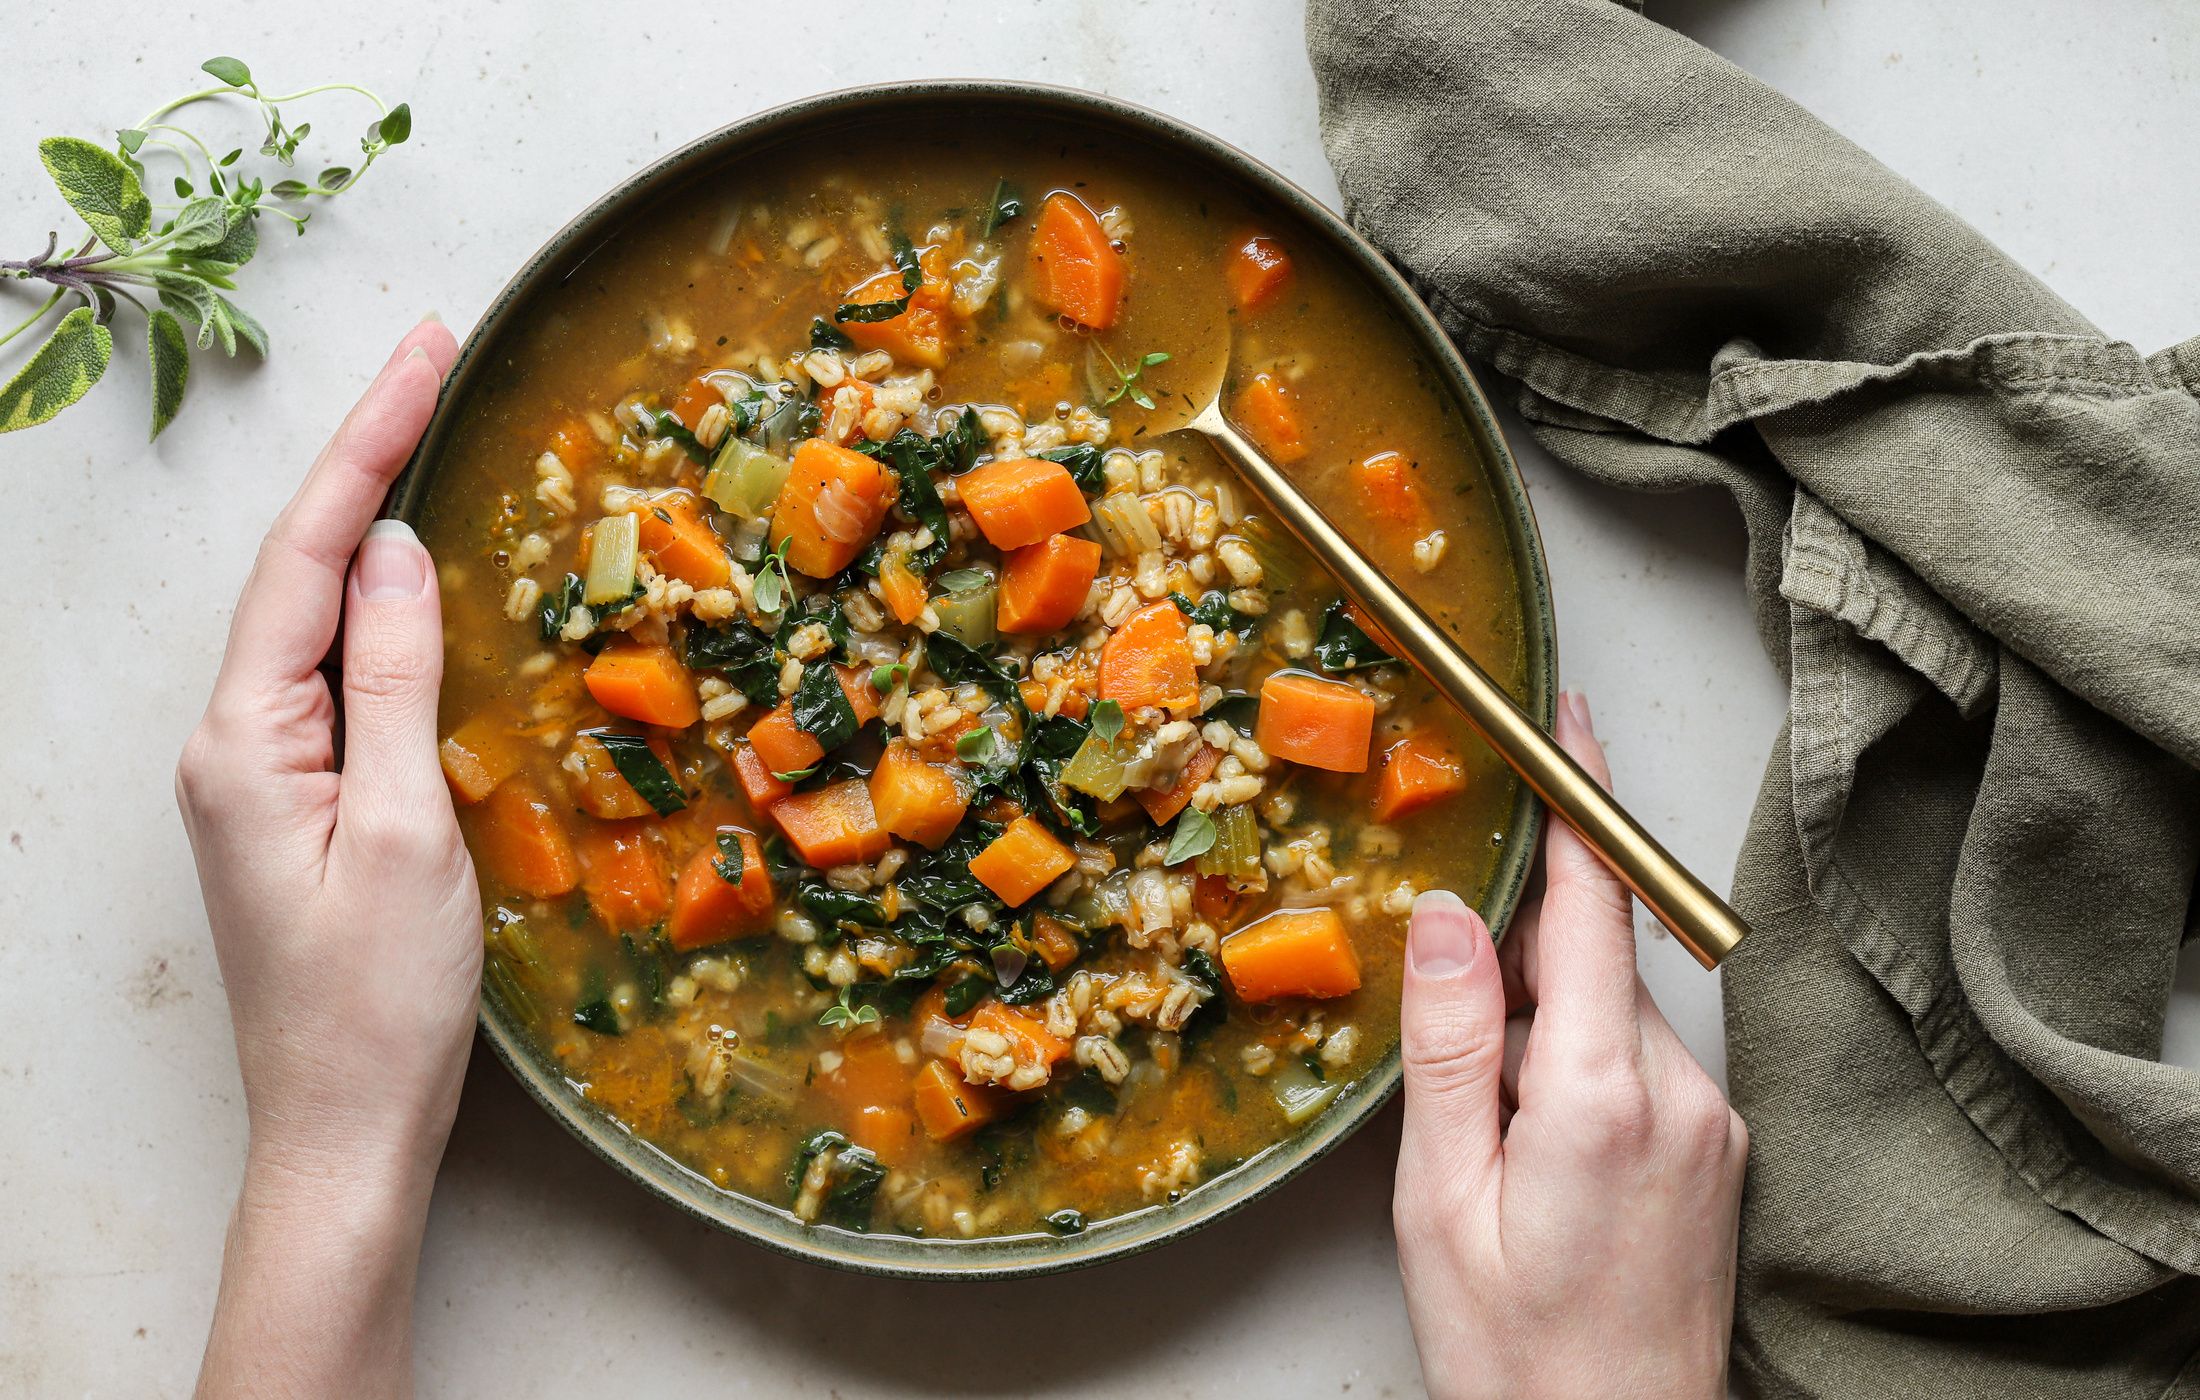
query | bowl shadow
(918,1336)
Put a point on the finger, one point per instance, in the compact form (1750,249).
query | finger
(1516,956)
(1453,1034)
(1584,950)
(393,667)
(1518,1033)
(1702,1128)
(286,618)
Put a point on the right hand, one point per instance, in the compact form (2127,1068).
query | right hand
(1569,1180)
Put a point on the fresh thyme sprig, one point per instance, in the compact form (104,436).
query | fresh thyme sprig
(1127,383)
(185,262)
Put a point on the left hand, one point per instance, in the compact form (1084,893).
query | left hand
(343,909)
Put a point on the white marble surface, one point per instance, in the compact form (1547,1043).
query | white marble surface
(2062,129)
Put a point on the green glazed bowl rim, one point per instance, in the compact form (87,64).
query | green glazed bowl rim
(1030,1254)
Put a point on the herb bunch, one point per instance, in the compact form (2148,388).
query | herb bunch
(181,255)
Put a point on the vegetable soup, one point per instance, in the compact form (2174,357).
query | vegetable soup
(905,790)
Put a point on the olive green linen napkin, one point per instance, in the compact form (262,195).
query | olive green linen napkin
(1975,551)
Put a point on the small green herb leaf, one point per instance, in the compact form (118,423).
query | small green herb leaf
(1194,836)
(229,70)
(846,1016)
(1128,383)
(771,579)
(885,678)
(129,139)
(394,128)
(797,775)
(980,745)
(1067,1222)
(102,190)
(824,336)
(171,357)
(62,371)
(1106,720)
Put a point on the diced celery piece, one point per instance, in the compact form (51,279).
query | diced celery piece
(614,553)
(513,965)
(745,479)
(1299,1093)
(507,987)
(1236,852)
(1097,768)
(967,614)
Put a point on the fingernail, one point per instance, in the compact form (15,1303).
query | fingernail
(1445,936)
(1580,702)
(435,316)
(392,565)
(416,353)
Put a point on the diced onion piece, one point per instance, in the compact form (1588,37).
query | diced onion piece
(745,479)
(1114,899)
(761,1079)
(614,553)
(1124,526)
(746,540)
(941,1038)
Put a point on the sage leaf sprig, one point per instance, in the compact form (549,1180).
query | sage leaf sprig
(174,261)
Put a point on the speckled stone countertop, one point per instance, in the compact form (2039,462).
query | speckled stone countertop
(2061,129)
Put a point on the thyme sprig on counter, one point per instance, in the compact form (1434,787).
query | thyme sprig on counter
(183,255)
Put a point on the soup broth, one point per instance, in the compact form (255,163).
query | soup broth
(905,789)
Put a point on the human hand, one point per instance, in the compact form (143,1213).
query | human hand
(343,908)
(1569,1180)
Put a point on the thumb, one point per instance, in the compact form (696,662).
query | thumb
(1453,1039)
(393,669)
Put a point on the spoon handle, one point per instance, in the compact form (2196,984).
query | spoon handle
(1701,920)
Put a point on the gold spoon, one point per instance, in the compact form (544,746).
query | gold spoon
(1701,920)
